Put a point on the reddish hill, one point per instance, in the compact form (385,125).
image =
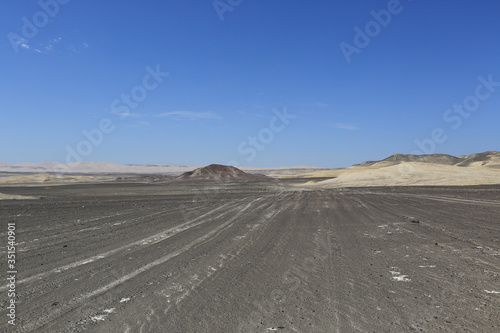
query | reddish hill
(219,172)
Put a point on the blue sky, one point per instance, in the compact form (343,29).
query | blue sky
(235,68)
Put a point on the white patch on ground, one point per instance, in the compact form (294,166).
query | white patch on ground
(397,276)
(427,266)
(383,226)
(89,229)
(125,300)
(102,317)
(164,293)
(402,278)
(95,319)
(492,291)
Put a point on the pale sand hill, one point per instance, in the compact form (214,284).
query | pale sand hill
(37,179)
(333,172)
(4,196)
(494,162)
(312,174)
(413,174)
(487,160)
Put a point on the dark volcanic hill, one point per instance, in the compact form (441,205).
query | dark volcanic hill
(217,172)
(428,158)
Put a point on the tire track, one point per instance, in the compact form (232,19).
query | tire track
(39,324)
(150,240)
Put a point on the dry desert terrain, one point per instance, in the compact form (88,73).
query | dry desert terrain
(254,256)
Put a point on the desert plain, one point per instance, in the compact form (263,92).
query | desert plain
(399,245)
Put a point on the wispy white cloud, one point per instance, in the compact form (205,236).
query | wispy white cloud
(78,47)
(42,48)
(347,127)
(190,115)
(127,114)
(49,46)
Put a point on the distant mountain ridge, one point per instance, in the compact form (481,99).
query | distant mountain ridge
(96,168)
(489,159)
(419,170)
(99,168)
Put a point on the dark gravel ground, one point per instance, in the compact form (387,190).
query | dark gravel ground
(253,257)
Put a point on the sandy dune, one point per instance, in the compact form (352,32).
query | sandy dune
(43,178)
(412,170)
(412,174)
(4,196)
